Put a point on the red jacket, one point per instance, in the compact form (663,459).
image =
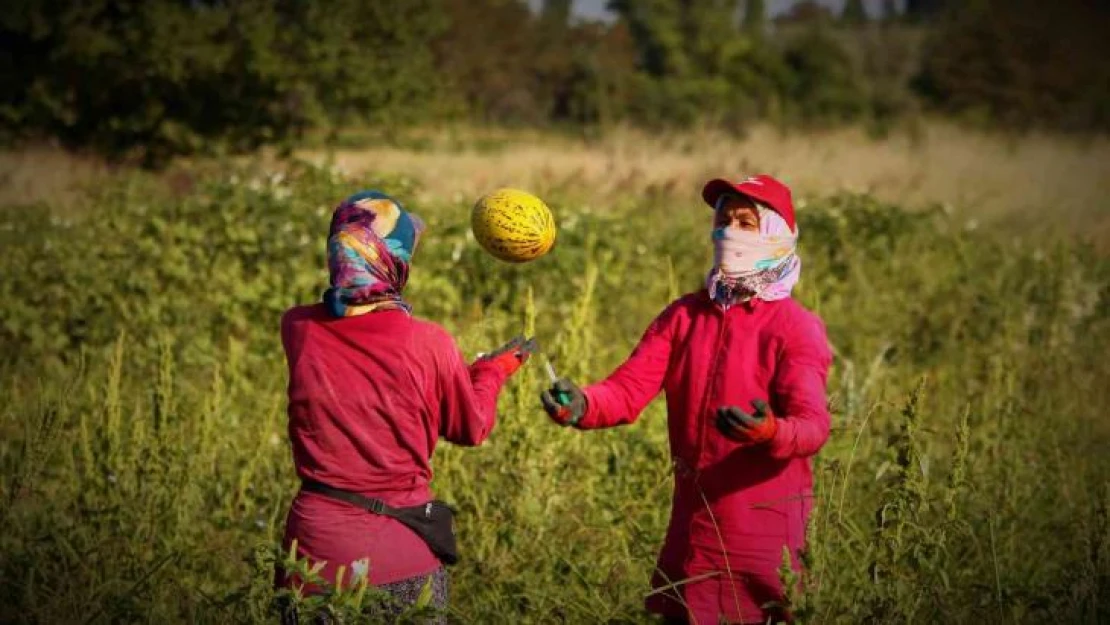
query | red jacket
(733,509)
(368,398)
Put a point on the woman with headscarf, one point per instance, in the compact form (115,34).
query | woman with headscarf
(744,369)
(371,389)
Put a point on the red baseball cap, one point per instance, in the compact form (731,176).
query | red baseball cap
(761,188)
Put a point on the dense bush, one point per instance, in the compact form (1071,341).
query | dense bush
(143,454)
(150,79)
(824,84)
(1019,63)
(146,80)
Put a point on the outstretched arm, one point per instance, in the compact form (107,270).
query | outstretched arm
(468,409)
(469,406)
(620,398)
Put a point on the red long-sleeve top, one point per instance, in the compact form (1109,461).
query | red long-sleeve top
(734,508)
(369,396)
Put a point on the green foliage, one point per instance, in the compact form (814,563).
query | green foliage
(145,471)
(825,85)
(808,12)
(700,67)
(363,62)
(755,16)
(854,13)
(680,102)
(351,599)
(486,57)
(657,30)
(594,89)
(925,9)
(1018,65)
(556,12)
(146,80)
(504,65)
(889,11)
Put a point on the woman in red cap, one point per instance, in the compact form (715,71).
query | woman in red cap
(744,369)
(371,389)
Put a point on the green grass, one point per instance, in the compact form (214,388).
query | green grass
(145,471)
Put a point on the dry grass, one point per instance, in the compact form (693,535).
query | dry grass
(991,176)
(46,174)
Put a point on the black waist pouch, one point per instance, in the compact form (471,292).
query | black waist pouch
(433,521)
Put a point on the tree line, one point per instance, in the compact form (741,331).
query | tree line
(148,79)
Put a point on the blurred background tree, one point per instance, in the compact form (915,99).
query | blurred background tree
(1019,64)
(806,12)
(889,12)
(152,78)
(755,16)
(145,80)
(854,13)
(923,9)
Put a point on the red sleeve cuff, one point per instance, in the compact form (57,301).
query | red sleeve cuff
(590,418)
(488,369)
(781,446)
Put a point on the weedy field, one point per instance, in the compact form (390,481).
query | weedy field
(145,471)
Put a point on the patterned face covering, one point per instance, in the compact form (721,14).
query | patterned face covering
(370,245)
(763,265)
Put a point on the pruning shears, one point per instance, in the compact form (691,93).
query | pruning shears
(562,397)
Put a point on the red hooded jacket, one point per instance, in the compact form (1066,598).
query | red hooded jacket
(734,508)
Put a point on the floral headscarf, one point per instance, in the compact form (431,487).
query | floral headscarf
(746,265)
(370,246)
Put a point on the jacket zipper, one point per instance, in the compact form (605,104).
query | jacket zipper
(702,425)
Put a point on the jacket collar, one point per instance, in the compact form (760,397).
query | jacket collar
(749,306)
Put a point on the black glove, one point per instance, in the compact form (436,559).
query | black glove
(747,429)
(564,402)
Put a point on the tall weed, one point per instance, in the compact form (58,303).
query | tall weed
(145,470)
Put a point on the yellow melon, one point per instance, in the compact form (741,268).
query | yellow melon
(513,225)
